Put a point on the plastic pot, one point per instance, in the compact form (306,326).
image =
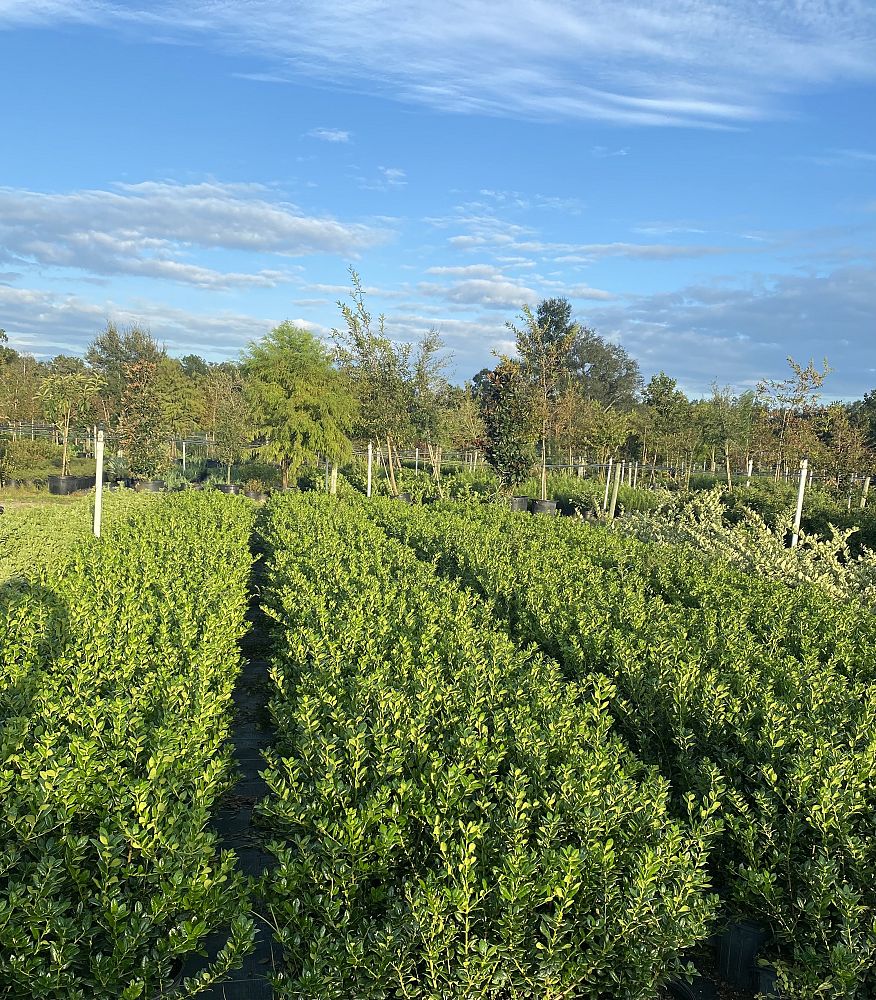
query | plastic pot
(768,981)
(548,507)
(150,485)
(699,989)
(520,503)
(404,497)
(737,953)
(232,488)
(63,485)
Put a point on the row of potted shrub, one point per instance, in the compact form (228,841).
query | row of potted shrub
(449,816)
(116,670)
(738,686)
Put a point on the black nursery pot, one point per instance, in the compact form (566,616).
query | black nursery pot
(232,488)
(150,485)
(548,507)
(768,981)
(62,486)
(699,989)
(737,953)
(404,497)
(520,503)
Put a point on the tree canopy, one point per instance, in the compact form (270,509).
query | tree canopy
(301,405)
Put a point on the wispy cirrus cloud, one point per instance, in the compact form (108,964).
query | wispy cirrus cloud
(657,62)
(844,158)
(334,135)
(388,178)
(153,229)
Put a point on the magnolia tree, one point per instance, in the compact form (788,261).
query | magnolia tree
(66,397)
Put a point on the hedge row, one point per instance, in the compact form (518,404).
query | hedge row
(116,673)
(451,818)
(761,692)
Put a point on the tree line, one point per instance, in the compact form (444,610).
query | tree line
(566,395)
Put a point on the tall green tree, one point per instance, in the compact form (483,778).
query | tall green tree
(400,386)
(66,397)
(791,400)
(111,355)
(301,405)
(544,348)
(505,398)
(143,425)
(20,377)
(233,428)
(668,414)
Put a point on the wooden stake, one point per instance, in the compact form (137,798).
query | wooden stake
(865,492)
(389,464)
(804,469)
(618,476)
(98,483)
(370,463)
(607,484)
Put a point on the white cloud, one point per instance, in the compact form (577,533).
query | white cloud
(48,323)
(387,178)
(487,293)
(153,228)
(336,135)
(739,333)
(844,158)
(658,62)
(604,152)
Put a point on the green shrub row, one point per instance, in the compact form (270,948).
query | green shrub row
(40,537)
(450,817)
(116,673)
(727,681)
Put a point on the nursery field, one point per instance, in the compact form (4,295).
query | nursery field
(511,756)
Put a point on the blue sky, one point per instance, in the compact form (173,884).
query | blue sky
(699,179)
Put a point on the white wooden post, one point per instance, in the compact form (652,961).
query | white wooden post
(184,454)
(326,474)
(750,470)
(416,461)
(636,475)
(333,488)
(98,483)
(370,463)
(607,484)
(865,492)
(804,469)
